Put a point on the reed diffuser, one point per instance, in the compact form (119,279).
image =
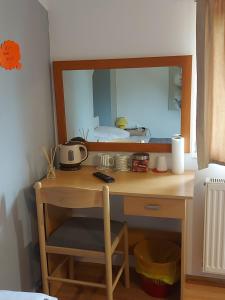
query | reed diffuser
(50,157)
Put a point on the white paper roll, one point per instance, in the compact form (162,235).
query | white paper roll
(177,154)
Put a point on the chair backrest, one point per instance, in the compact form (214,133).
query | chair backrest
(71,197)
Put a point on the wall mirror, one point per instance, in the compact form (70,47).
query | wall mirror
(134,104)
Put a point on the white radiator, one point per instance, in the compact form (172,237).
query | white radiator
(214,227)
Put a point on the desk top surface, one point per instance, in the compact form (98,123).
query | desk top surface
(164,185)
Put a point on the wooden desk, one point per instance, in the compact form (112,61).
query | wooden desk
(145,194)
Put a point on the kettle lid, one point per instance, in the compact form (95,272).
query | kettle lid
(78,139)
(75,141)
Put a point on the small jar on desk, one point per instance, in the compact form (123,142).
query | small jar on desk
(139,162)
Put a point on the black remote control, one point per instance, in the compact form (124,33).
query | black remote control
(104,177)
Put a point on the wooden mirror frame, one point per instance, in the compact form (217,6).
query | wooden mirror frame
(185,62)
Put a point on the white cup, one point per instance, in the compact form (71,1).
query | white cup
(105,161)
(161,165)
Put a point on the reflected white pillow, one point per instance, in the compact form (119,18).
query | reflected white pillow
(9,295)
(110,132)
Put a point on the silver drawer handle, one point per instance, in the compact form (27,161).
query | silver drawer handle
(152,207)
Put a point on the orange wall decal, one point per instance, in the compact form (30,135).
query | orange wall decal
(10,55)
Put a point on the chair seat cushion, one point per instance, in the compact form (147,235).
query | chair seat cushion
(83,233)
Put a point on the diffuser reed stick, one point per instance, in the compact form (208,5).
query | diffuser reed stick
(50,157)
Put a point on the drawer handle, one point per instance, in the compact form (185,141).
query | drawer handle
(152,207)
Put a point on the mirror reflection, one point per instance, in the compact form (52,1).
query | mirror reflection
(140,105)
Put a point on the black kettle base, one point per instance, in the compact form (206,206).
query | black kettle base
(65,167)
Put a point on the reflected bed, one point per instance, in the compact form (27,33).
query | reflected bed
(114,134)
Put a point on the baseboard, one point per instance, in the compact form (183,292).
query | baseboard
(202,280)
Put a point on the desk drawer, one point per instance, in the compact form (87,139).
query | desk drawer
(153,207)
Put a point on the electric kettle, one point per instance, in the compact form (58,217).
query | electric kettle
(71,155)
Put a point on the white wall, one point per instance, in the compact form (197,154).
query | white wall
(114,28)
(78,93)
(85,29)
(44,3)
(142,96)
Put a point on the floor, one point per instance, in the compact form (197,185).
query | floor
(203,292)
(192,291)
(69,292)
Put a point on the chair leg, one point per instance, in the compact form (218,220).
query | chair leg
(109,283)
(44,269)
(126,258)
(71,267)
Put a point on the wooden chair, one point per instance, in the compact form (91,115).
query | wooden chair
(85,237)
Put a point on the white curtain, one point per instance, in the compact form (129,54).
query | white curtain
(211,82)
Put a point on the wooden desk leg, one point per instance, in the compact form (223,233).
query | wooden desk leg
(183,254)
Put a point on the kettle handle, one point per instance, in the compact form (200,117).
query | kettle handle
(85,154)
